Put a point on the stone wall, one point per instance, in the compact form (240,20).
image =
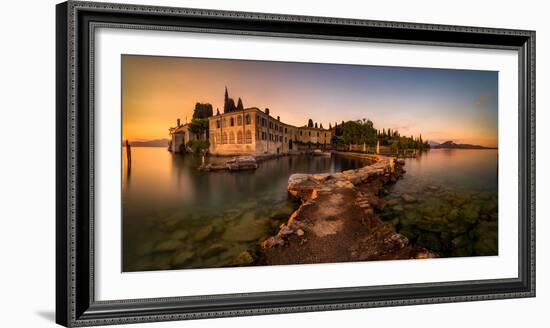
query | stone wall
(253,132)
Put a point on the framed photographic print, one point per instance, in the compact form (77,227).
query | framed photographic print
(214,163)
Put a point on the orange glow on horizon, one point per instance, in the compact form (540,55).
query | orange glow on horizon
(159,90)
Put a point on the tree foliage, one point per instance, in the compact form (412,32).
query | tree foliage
(198,145)
(199,126)
(395,140)
(202,110)
(359,132)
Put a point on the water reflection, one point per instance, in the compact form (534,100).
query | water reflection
(177,217)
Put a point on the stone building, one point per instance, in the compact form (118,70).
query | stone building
(315,135)
(181,136)
(253,131)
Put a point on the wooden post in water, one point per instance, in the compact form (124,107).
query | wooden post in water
(128,155)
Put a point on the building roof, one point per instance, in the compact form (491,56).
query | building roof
(249,109)
(181,129)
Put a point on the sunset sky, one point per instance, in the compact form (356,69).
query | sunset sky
(440,104)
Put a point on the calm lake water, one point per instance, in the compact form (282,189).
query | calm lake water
(448,202)
(177,217)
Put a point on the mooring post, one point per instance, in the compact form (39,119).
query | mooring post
(128,154)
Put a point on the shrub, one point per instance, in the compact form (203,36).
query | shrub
(198,145)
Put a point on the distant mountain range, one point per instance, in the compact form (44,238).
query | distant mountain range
(452,145)
(150,143)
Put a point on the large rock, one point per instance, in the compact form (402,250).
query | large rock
(302,186)
(242,163)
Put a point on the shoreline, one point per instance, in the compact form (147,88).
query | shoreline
(336,221)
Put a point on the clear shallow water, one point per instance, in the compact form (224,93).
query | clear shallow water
(177,217)
(448,202)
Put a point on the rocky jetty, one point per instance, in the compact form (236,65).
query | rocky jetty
(240,163)
(336,221)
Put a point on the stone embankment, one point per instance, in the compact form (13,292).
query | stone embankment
(336,221)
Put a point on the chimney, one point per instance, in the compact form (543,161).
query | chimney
(178,123)
(278,118)
(267,111)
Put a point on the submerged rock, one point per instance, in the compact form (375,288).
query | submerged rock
(180,234)
(145,248)
(408,198)
(470,213)
(397,208)
(183,258)
(246,230)
(433,188)
(204,232)
(244,258)
(487,246)
(168,246)
(214,250)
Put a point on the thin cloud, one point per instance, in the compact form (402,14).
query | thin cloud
(482,99)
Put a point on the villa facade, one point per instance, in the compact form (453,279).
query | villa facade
(252,131)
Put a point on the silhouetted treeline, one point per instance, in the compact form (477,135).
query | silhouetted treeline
(363,132)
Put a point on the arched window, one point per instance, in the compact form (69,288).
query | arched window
(231,137)
(240,137)
(239,120)
(247,119)
(248,137)
(224,138)
(218,124)
(231,121)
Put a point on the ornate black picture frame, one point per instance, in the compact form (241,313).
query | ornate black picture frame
(75,301)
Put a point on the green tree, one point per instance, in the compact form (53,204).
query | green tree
(359,132)
(202,110)
(199,126)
